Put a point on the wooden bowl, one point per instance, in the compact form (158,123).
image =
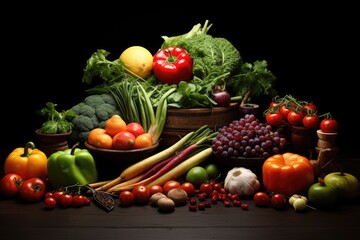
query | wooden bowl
(111,162)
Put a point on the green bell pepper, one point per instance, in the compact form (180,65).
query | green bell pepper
(71,166)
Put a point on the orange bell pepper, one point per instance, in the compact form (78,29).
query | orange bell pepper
(287,173)
(27,161)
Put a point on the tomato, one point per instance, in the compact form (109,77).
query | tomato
(65,200)
(274,104)
(273,118)
(49,203)
(278,201)
(86,201)
(135,128)
(284,110)
(57,194)
(309,108)
(170,185)
(49,194)
(311,121)
(329,125)
(295,117)
(123,141)
(32,190)
(155,188)
(126,198)
(78,201)
(261,199)
(287,173)
(9,184)
(141,194)
(188,187)
(206,188)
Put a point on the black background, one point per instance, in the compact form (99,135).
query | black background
(312,50)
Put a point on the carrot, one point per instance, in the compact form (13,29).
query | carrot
(145,164)
(156,168)
(183,167)
(125,183)
(98,184)
(174,161)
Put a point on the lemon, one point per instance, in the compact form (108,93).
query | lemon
(138,60)
(197,175)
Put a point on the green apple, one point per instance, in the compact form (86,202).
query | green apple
(347,185)
(322,195)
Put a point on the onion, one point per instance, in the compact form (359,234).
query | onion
(222,98)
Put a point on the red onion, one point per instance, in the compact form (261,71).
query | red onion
(222,98)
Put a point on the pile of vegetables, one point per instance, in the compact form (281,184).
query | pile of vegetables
(168,164)
(219,76)
(92,113)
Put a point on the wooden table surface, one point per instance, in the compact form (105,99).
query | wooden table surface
(19,220)
(30,221)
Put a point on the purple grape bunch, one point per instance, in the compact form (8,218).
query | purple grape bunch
(247,137)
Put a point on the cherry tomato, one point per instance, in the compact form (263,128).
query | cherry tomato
(49,194)
(49,203)
(65,200)
(57,194)
(329,125)
(278,201)
(309,108)
(33,189)
(78,201)
(206,188)
(126,198)
(273,104)
(284,110)
(87,200)
(295,117)
(261,199)
(273,118)
(188,187)
(155,188)
(311,121)
(10,184)
(170,185)
(141,194)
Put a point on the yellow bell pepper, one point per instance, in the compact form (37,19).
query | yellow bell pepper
(27,161)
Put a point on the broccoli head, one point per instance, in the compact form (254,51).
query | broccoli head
(104,111)
(92,113)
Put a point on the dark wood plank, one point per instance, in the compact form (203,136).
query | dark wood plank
(145,222)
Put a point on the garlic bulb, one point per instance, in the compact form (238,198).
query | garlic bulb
(241,181)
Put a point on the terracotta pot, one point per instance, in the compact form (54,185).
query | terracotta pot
(50,143)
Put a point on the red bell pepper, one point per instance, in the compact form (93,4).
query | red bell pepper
(172,65)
